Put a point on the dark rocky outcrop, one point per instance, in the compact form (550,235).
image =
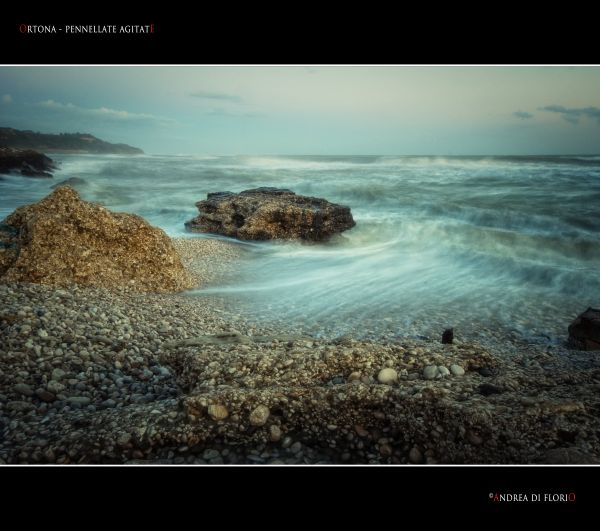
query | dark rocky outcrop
(63,143)
(64,240)
(27,162)
(448,336)
(584,331)
(270,213)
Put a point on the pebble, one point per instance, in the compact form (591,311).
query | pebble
(55,387)
(415,456)
(473,438)
(443,371)
(23,389)
(457,370)
(360,431)
(217,412)
(44,395)
(387,376)
(58,374)
(385,450)
(488,389)
(430,372)
(210,454)
(18,405)
(296,447)
(274,433)
(79,400)
(124,439)
(259,416)
(42,333)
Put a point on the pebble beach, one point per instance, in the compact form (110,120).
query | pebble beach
(92,375)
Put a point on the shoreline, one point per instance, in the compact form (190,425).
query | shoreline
(89,375)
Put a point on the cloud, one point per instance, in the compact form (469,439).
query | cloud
(7,99)
(219,96)
(104,114)
(523,115)
(225,112)
(573,115)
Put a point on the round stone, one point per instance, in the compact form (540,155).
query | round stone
(79,400)
(44,395)
(296,447)
(58,374)
(259,416)
(275,433)
(443,371)
(415,456)
(217,412)
(23,389)
(430,372)
(385,450)
(387,376)
(210,453)
(55,387)
(355,376)
(457,370)
(124,439)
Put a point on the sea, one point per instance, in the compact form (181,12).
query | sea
(498,248)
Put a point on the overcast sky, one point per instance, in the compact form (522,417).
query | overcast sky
(313,110)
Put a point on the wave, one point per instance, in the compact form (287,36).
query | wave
(470,240)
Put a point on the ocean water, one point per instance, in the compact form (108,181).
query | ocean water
(496,247)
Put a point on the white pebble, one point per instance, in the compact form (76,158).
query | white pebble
(387,376)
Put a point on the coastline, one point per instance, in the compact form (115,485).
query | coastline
(89,375)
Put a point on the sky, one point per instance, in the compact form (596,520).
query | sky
(322,110)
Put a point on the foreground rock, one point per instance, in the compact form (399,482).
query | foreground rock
(64,240)
(270,213)
(584,331)
(27,162)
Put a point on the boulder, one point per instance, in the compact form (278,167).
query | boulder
(27,162)
(270,213)
(584,331)
(64,240)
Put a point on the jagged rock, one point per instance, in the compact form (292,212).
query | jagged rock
(270,213)
(584,331)
(64,240)
(27,162)
(448,336)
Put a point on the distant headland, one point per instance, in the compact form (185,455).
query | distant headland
(62,143)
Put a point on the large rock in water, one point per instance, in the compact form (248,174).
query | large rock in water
(27,162)
(63,240)
(270,213)
(584,331)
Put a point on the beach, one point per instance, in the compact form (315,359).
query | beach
(98,375)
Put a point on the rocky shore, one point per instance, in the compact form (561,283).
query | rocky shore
(95,368)
(26,162)
(91,375)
